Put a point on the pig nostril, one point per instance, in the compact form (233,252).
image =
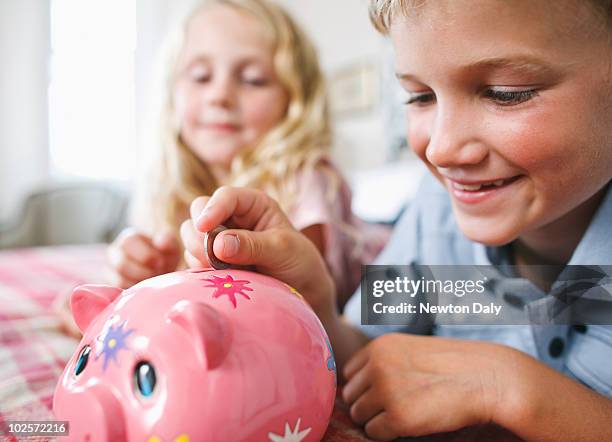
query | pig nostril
(88,437)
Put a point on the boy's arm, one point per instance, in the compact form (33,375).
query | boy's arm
(260,235)
(397,383)
(546,405)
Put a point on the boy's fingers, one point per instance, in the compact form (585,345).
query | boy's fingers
(380,429)
(196,207)
(193,241)
(356,363)
(266,249)
(356,386)
(192,262)
(366,407)
(248,209)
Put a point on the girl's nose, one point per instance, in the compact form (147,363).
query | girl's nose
(454,140)
(222,91)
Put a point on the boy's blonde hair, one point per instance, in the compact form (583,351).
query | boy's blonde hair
(382,12)
(301,139)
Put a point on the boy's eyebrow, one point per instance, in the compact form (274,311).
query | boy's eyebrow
(525,64)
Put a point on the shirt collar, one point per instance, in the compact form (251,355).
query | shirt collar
(595,247)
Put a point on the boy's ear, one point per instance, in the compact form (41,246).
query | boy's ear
(88,301)
(207,328)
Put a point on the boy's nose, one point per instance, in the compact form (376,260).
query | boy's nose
(454,141)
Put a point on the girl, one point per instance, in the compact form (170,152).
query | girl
(509,107)
(245,105)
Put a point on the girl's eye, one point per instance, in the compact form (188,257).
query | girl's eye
(199,74)
(420,99)
(200,78)
(510,98)
(255,81)
(82,360)
(144,378)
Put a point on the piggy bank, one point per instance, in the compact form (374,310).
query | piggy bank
(197,355)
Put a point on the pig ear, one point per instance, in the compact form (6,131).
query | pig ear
(207,327)
(88,301)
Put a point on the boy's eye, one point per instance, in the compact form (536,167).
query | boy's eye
(420,99)
(510,98)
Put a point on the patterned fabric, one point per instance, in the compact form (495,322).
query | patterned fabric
(33,350)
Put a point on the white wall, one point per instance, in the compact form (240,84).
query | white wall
(24,55)
(344,37)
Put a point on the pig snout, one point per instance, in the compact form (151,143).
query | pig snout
(94,415)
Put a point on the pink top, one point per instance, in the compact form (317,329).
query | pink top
(349,241)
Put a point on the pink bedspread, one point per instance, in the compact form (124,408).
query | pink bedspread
(33,350)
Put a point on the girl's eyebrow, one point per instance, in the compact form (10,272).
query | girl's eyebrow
(244,60)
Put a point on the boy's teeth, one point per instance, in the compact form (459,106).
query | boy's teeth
(468,186)
(473,187)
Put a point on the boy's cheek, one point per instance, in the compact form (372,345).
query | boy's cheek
(418,138)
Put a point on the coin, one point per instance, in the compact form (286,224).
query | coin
(209,239)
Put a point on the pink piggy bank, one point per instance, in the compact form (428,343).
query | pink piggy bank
(197,355)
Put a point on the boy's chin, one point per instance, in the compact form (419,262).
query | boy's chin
(487,232)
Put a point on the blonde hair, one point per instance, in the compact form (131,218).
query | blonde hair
(296,144)
(382,12)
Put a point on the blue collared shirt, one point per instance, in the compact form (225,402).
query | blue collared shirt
(428,234)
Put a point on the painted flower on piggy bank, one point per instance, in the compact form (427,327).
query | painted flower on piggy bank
(197,355)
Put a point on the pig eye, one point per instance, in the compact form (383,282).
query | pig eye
(144,376)
(82,360)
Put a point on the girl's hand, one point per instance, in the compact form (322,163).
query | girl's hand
(405,385)
(134,257)
(260,235)
(61,307)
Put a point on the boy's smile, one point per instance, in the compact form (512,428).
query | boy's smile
(509,111)
(477,191)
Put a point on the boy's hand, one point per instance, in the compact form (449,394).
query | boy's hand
(405,385)
(134,257)
(259,234)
